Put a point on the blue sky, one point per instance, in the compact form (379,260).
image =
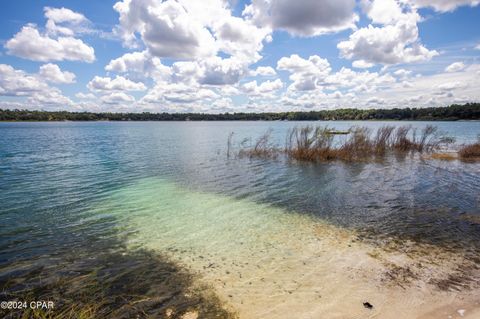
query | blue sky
(231,56)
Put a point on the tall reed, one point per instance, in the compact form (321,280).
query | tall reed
(470,151)
(314,144)
(263,148)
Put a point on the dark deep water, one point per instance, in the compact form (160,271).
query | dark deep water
(54,176)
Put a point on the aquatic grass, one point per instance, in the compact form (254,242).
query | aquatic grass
(470,151)
(358,145)
(121,284)
(72,312)
(382,139)
(307,143)
(263,148)
(316,144)
(405,139)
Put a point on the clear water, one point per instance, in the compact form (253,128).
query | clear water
(274,239)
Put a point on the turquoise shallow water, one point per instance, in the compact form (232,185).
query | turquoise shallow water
(170,187)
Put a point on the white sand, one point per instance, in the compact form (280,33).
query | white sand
(265,262)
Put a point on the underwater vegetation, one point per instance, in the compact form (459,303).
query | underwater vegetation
(120,284)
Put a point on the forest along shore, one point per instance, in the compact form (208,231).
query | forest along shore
(469,111)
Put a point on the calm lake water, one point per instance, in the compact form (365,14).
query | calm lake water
(272,239)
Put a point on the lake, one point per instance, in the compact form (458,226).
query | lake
(158,208)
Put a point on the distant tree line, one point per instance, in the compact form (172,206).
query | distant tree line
(469,111)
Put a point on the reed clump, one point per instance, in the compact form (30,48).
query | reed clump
(310,144)
(262,148)
(316,144)
(470,151)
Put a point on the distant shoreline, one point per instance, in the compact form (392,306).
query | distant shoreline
(455,112)
(185,121)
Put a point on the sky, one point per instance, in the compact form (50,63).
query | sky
(218,56)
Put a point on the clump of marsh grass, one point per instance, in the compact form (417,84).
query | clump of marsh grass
(470,151)
(308,143)
(358,145)
(382,140)
(262,148)
(406,139)
(315,144)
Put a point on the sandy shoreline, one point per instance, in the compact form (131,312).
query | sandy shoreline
(264,262)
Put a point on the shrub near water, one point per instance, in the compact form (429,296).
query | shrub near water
(323,144)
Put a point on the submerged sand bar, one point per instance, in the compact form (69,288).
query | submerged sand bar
(266,262)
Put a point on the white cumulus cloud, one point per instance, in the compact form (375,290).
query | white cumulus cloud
(392,38)
(305,74)
(119,83)
(30,44)
(444,5)
(65,21)
(264,71)
(189,29)
(52,73)
(117,98)
(361,64)
(303,17)
(455,67)
(140,64)
(166,28)
(85,96)
(386,45)
(252,88)
(38,93)
(18,83)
